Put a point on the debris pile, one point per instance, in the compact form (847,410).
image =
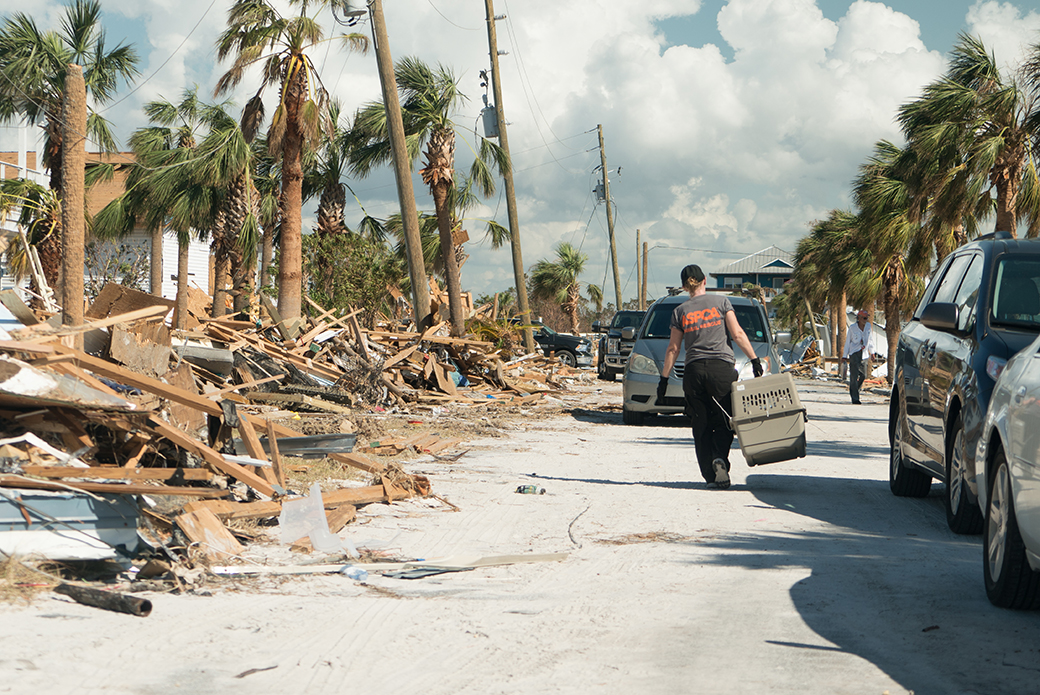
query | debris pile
(151,443)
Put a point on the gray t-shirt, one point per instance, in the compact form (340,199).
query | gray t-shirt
(702,320)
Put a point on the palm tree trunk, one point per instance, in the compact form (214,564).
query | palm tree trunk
(843,328)
(893,282)
(220,280)
(155,264)
(451,266)
(290,262)
(832,319)
(266,256)
(573,300)
(1007,191)
(180,315)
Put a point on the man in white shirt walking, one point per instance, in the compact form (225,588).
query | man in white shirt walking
(859,346)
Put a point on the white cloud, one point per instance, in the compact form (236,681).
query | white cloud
(717,153)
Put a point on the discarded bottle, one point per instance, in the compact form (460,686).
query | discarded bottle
(530,490)
(358,574)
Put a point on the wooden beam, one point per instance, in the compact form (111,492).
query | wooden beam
(139,314)
(255,449)
(276,456)
(211,456)
(106,473)
(225,509)
(15,481)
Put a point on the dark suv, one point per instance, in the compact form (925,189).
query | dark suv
(613,347)
(982,306)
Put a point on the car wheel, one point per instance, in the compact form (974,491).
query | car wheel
(903,480)
(610,376)
(631,417)
(567,357)
(1010,581)
(601,371)
(962,515)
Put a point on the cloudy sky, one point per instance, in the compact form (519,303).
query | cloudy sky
(730,125)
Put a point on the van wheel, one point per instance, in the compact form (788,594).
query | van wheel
(631,417)
(902,480)
(962,515)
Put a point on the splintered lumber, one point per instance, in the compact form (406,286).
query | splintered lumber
(226,509)
(359,461)
(17,481)
(276,456)
(211,456)
(203,527)
(147,312)
(356,496)
(167,474)
(255,449)
(297,400)
(107,600)
(439,339)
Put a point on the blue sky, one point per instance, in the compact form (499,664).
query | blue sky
(736,123)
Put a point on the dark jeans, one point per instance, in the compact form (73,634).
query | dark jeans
(856,375)
(705,382)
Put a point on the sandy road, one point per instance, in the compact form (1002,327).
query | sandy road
(804,577)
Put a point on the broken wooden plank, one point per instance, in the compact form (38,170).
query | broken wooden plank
(201,526)
(253,446)
(15,481)
(106,473)
(298,400)
(226,509)
(211,456)
(138,315)
(276,456)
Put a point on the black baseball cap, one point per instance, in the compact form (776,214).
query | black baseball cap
(692,271)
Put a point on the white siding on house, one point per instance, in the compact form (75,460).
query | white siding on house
(198,265)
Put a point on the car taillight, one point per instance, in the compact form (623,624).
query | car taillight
(994,366)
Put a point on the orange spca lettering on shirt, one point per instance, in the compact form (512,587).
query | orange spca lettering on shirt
(704,318)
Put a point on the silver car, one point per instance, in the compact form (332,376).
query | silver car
(643,370)
(1008,481)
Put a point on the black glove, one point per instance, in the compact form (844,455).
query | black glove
(756,367)
(662,387)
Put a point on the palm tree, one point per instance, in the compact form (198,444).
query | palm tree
(33,65)
(898,247)
(257,33)
(558,280)
(39,215)
(976,123)
(429,98)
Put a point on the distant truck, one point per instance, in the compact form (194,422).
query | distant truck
(572,350)
(614,349)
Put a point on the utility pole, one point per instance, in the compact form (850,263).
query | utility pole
(507,175)
(402,170)
(643,288)
(73,166)
(610,218)
(639,276)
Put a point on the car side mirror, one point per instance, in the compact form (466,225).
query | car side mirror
(597,327)
(783,338)
(941,316)
(628,333)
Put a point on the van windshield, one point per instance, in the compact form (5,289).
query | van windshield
(748,316)
(1016,299)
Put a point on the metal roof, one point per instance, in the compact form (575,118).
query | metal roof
(770,261)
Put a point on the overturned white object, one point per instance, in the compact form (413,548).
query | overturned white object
(305,516)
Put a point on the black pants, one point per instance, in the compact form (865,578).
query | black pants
(705,382)
(856,375)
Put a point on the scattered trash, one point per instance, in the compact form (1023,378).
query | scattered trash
(530,490)
(358,574)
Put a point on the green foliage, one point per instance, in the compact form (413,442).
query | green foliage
(348,271)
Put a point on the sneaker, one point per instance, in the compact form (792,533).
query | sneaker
(721,474)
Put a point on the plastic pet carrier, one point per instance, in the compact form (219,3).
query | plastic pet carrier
(769,419)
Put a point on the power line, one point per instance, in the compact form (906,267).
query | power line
(179,47)
(448,20)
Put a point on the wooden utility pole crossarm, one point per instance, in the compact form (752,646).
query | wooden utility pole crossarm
(514,221)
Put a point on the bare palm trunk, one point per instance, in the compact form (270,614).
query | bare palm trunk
(451,265)
(832,319)
(573,300)
(156,262)
(220,280)
(290,262)
(843,328)
(266,256)
(893,284)
(180,316)
(1007,192)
